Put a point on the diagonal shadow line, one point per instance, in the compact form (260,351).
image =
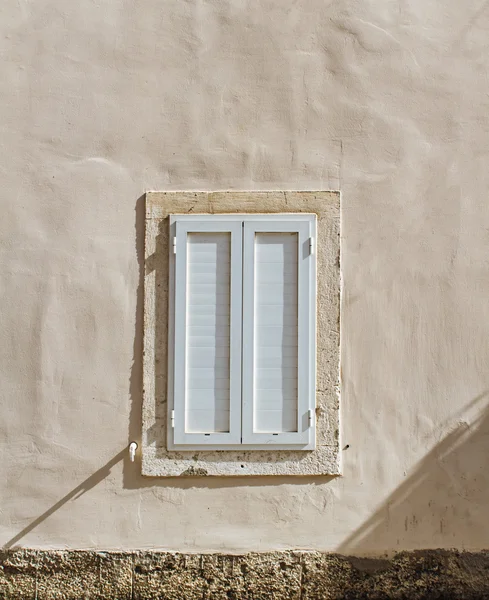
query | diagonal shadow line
(75,493)
(408,489)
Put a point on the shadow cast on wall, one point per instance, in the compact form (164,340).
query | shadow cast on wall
(445,502)
(75,493)
(132,478)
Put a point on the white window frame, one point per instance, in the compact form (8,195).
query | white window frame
(242,228)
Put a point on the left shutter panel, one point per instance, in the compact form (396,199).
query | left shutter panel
(207,333)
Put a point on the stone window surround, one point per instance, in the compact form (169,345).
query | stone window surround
(325,458)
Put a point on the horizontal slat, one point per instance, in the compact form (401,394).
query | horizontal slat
(207,258)
(275,298)
(276,352)
(281,242)
(208,278)
(204,396)
(287,386)
(202,258)
(197,299)
(207,421)
(199,383)
(273,237)
(215,290)
(275,421)
(275,277)
(205,400)
(207,341)
(292,260)
(213,243)
(208,320)
(279,396)
(204,357)
(269,315)
(277,362)
(277,403)
(273,340)
(275,374)
(208,331)
(208,373)
(272,273)
(266,253)
(277,331)
(277,293)
(209,267)
(209,309)
(279,321)
(208,252)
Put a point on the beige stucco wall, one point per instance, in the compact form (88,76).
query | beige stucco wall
(385,101)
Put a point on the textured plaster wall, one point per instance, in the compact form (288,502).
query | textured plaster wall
(387,102)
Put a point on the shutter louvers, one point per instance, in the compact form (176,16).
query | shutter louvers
(207,359)
(242,332)
(278,333)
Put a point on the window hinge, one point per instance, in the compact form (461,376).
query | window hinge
(173,419)
(311,245)
(174,245)
(310,416)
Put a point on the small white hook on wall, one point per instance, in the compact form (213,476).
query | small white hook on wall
(132,450)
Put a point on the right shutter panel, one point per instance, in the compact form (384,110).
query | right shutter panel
(275,332)
(278,333)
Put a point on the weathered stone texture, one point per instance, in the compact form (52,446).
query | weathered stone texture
(325,459)
(60,575)
(18,574)
(69,575)
(217,576)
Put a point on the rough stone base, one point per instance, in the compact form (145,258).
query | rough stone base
(67,575)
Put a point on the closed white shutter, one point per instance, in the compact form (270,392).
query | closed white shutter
(207,333)
(242,332)
(278,332)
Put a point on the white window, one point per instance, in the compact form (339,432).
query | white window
(242,332)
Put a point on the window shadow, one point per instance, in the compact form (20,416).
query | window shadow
(132,477)
(445,502)
(75,493)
